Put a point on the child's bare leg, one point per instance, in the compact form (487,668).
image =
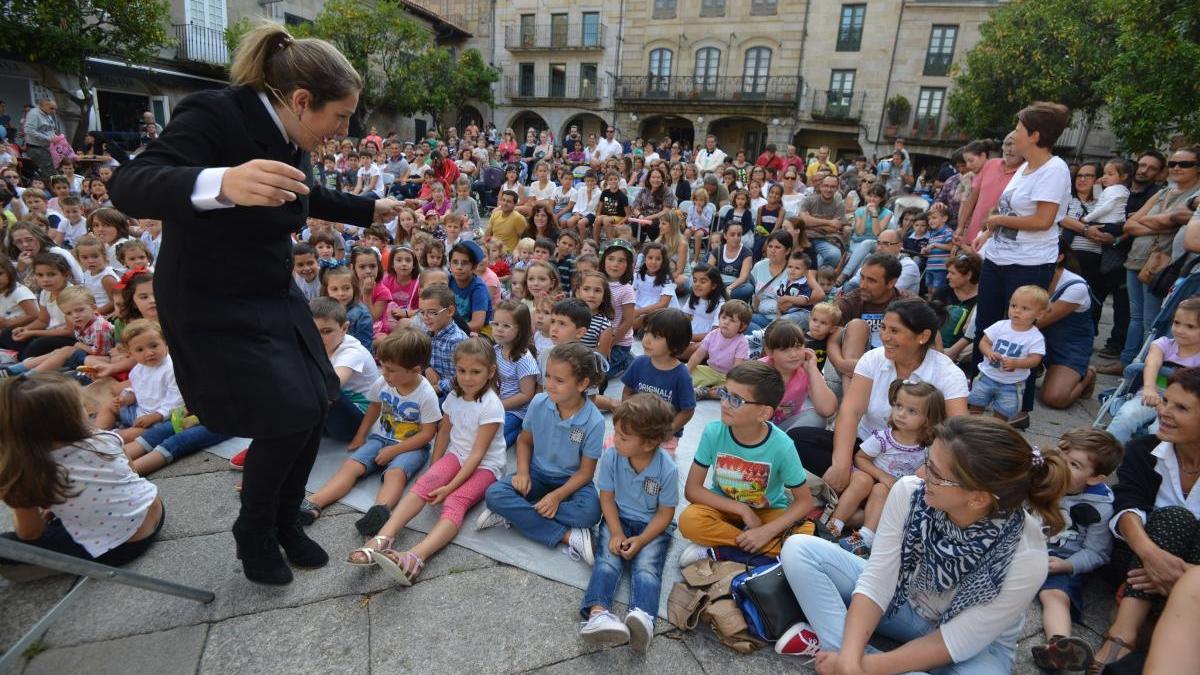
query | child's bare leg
(134,449)
(1056,613)
(128,435)
(875,504)
(339,485)
(410,505)
(105,418)
(149,463)
(392,488)
(850,499)
(438,538)
(55,359)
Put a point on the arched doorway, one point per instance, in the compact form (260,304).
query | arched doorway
(588,123)
(841,145)
(526,120)
(467,115)
(740,133)
(656,127)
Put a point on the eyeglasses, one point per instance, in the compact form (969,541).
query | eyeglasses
(733,399)
(1183,164)
(932,476)
(431,314)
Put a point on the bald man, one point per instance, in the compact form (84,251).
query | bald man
(910,272)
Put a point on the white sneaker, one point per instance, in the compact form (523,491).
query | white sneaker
(641,629)
(488,518)
(604,630)
(693,553)
(579,546)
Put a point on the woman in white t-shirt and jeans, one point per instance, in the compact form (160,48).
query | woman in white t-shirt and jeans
(1022,235)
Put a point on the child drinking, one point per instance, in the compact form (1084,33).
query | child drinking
(1010,348)
(722,349)
(550,498)
(658,370)
(365,263)
(639,489)
(893,452)
(98,277)
(395,434)
(468,456)
(515,364)
(340,284)
(807,400)
(151,393)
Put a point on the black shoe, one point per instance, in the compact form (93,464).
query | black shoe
(1109,352)
(372,520)
(301,550)
(1021,421)
(262,562)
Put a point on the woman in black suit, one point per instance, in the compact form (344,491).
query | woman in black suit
(227,180)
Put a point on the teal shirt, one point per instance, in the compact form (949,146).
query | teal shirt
(758,476)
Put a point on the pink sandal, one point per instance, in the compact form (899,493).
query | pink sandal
(404,567)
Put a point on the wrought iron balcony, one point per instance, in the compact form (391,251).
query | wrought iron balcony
(837,106)
(201,43)
(574,36)
(777,89)
(555,88)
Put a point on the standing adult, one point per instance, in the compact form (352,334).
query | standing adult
(610,146)
(710,157)
(247,355)
(820,163)
(1023,245)
(1152,230)
(41,124)
(989,183)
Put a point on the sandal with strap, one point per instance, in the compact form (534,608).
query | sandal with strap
(1110,655)
(309,512)
(363,557)
(404,567)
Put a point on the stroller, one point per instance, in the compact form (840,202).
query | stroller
(1185,287)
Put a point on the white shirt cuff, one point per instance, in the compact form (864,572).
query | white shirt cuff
(206,194)
(1112,523)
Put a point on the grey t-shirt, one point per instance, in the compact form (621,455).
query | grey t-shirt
(814,206)
(1168,200)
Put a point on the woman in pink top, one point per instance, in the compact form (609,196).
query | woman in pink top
(989,183)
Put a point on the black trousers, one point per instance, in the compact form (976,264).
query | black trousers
(56,538)
(1175,530)
(35,347)
(274,476)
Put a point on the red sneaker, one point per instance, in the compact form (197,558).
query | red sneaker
(239,460)
(799,640)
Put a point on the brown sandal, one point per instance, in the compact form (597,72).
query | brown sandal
(1108,655)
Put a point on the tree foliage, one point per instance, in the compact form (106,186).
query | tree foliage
(59,35)
(435,82)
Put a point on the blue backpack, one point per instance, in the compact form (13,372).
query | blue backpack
(766,600)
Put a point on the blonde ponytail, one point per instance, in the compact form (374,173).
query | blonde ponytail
(269,60)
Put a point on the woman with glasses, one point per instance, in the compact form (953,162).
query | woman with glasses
(959,557)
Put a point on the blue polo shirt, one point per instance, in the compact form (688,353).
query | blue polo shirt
(558,444)
(472,299)
(638,495)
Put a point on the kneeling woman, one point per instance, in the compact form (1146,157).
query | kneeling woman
(956,563)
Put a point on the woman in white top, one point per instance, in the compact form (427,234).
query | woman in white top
(910,327)
(1022,237)
(959,557)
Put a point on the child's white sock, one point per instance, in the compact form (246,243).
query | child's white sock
(836,526)
(867,535)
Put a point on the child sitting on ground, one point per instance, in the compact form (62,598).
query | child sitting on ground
(723,349)
(1011,348)
(795,294)
(893,452)
(659,372)
(394,436)
(152,392)
(352,363)
(807,400)
(516,365)
(639,489)
(758,495)
(305,270)
(468,456)
(93,336)
(550,498)
(437,314)
(1084,545)
(823,324)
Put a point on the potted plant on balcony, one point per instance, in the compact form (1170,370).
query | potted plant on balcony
(897,108)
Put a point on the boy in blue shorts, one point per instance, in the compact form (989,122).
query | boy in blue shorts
(639,489)
(395,435)
(659,371)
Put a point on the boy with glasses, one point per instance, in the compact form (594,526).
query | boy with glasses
(437,314)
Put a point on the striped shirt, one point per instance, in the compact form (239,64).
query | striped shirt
(511,373)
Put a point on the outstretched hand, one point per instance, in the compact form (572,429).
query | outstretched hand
(262,182)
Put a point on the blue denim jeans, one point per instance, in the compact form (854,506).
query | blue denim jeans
(760,321)
(410,462)
(858,253)
(343,419)
(645,571)
(1005,399)
(162,438)
(581,509)
(828,252)
(1143,309)
(1133,419)
(618,360)
(934,280)
(512,427)
(743,293)
(823,577)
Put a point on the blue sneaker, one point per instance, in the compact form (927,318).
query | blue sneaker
(855,544)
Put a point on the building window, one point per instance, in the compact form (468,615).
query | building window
(840,94)
(664,9)
(708,65)
(754,73)
(588,81)
(558,30)
(660,71)
(712,8)
(591,29)
(929,109)
(527,30)
(763,7)
(526,82)
(558,80)
(850,28)
(941,50)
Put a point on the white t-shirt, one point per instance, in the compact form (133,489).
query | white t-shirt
(1077,294)
(10,305)
(937,369)
(702,319)
(111,250)
(351,354)
(646,293)
(1012,343)
(541,193)
(95,284)
(401,415)
(585,203)
(466,417)
(155,389)
(372,178)
(606,148)
(72,231)
(107,502)
(1050,183)
(57,320)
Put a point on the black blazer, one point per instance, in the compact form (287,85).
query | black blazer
(247,355)
(1138,480)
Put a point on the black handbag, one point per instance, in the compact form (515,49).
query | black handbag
(766,599)
(1166,278)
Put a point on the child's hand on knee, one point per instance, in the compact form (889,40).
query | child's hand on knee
(521,483)
(437,496)
(754,539)
(547,506)
(631,546)
(616,543)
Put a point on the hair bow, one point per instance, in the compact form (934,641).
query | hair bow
(332,264)
(913,379)
(129,275)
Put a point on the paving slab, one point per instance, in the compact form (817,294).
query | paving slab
(165,652)
(494,620)
(24,604)
(666,656)
(717,659)
(196,504)
(331,636)
(200,462)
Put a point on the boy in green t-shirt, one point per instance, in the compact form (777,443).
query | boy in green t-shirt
(747,512)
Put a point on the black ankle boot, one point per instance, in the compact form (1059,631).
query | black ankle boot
(261,559)
(299,548)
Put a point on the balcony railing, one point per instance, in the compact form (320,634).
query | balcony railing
(711,90)
(837,106)
(200,43)
(928,129)
(554,36)
(937,64)
(555,88)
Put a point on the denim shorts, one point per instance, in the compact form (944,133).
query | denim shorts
(128,415)
(1005,399)
(1072,585)
(408,462)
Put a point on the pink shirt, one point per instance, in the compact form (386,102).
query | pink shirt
(990,183)
(622,294)
(723,351)
(794,395)
(380,292)
(404,295)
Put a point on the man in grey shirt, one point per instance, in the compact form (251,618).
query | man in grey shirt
(41,124)
(823,214)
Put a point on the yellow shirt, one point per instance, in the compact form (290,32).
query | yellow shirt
(815,166)
(507,229)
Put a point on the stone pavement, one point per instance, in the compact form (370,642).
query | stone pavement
(465,611)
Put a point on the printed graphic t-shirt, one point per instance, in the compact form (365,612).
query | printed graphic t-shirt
(758,476)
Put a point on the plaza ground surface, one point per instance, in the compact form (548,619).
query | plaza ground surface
(465,613)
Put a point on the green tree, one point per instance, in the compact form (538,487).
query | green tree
(435,82)
(59,35)
(1034,50)
(1153,85)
